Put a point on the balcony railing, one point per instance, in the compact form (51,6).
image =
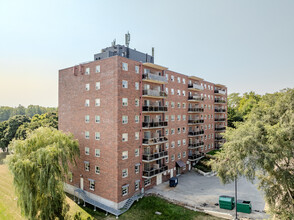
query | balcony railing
(155,140)
(219,91)
(195,109)
(154,108)
(219,138)
(155,156)
(156,93)
(219,101)
(195,156)
(219,110)
(154,171)
(219,128)
(195,145)
(195,121)
(154,77)
(196,133)
(219,119)
(195,98)
(154,124)
(195,86)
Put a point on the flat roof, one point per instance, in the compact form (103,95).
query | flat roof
(155,66)
(220,85)
(195,78)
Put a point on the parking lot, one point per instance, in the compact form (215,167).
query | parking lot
(203,192)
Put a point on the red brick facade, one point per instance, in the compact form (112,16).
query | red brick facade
(154,125)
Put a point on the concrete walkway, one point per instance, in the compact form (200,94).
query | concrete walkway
(203,193)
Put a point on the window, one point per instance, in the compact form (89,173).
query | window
(166,159)
(97,85)
(87,135)
(87,151)
(125,190)
(166,131)
(137,152)
(125,137)
(137,167)
(97,135)
(125,155)
(166,76)
(179,130)
(124,173)
(173,157)
(97,152)
(97,170)
(184,130)
(166,90)
(172,131)
(184,117)
(137,69)
(172,91)
(98,69)
(172,144)
(179,80)
(97,102)
(87,103)
(179,155)
(136,118)
(166,103)
(137,85)
(184,93)
(209,87)
(179,92)
(125,84)
(97,118)
(124,119)
(166,145)
(172,78)
(124,66)
(179,143)
(184,81)
(147,182)
(184,154)
(137,183)
(136,135)
(184,141)
(137,102)
(87,166)
(87,87)
(125,101)
(179,105)
(166,117)
(172,118)
(87,71)
(172,104)
(184,105)
(179,117)
(92,185)
(87,118)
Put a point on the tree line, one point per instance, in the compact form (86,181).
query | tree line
(7,112)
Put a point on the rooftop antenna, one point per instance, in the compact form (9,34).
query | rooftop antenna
(127,38)
(113,42)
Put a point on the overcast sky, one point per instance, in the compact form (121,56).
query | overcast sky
(246,45)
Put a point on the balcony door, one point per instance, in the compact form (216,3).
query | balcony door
(158,133)
(146,102)
(146,86)
(147,135)
(146,118)
(158,117)
(147,150)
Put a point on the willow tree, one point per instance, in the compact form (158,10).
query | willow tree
(263,147)
(39,165)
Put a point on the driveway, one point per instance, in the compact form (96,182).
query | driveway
(203,192)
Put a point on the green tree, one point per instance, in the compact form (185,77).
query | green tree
(233,114)
(263,147)
(247,102)
(11,127)
(39,166)
(5,113)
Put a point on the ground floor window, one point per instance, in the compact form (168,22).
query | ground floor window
(137,183)
(92,185)
(125,190)
(147,182)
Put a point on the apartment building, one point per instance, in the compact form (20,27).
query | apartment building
(137,123)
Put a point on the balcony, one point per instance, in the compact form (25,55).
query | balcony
(219,91)
(154,140)
(219,110)
(195,98)
(196,133)
(154,93)
(154,108)
(158,124)
(195,110)
(195,121)
(219,101)
(220,129)
(155,156)
(195,145)
(154,171)
(219,119)
(150,77)
(195,86)
(219,138)
(194,157)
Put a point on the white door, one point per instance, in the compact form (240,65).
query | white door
(171,173)
(82,183)
(159,179)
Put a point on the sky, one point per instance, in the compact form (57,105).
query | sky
(245,45)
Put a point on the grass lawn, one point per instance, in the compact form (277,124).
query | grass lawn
(144,209)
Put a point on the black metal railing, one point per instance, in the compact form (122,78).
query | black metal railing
(195,86)
(195,121)
(147,108)
(155,155)
(219,138)
(219,119)
(153,171)
(219,110)
(195,98)
(196,133)
(196,145)
(154,140)
(219,101)
(195,109)
(219,91)
(220,128)
(195,156)
(154,124)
